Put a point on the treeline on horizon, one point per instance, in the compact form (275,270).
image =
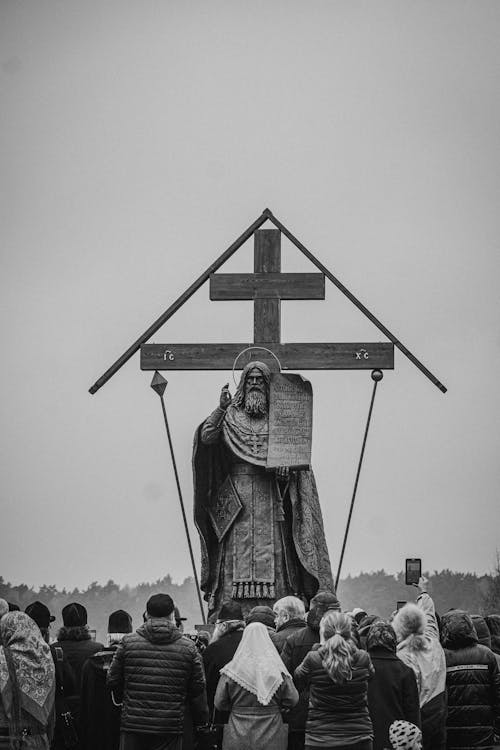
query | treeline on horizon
(376,592)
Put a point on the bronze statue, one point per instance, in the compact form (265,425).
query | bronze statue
(261,530)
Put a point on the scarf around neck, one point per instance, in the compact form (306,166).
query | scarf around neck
(256,665)
(33,665)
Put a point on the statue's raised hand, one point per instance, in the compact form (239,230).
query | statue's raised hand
(225,397)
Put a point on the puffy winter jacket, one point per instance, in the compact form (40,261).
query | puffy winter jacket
(156,670)
(338,713)
(473,682)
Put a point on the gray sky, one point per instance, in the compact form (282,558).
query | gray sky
(138,140)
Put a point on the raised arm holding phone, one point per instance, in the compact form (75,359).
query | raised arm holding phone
(419,647)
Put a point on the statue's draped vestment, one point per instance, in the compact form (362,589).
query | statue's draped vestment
(260,539)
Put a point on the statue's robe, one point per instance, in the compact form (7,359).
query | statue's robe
(261,539)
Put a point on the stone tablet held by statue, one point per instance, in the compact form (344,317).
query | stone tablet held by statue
(290,422)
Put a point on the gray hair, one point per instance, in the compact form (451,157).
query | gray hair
(290,606)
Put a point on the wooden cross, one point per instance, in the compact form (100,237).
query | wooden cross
(267,286)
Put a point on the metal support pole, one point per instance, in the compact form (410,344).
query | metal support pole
(159,384)
(377,376)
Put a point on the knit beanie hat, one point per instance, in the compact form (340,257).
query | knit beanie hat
(262,614)
(74,615)
(405,736)
(40,614)
(119,622)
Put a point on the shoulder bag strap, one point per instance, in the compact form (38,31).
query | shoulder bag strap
(15,720)
(59,672)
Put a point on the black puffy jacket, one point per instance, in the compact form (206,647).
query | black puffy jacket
(473,683)
(156,671)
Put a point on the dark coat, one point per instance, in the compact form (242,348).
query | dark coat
(282,633)
(392,695)
(338,713)
(99,714)
(217,655)
(67,694)
(473,683)
(157,671)
(295,649)
(77,646)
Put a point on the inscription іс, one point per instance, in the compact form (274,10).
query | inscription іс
(290,422)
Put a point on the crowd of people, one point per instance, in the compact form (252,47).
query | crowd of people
(278,678)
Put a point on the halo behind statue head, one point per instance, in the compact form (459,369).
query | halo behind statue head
(256,362)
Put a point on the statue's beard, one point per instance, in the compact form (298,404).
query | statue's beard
(256,404)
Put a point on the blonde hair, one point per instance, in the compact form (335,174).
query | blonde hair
(409,625)
(337,648)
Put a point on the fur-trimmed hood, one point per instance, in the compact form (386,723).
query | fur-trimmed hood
(79,633)
(457,630)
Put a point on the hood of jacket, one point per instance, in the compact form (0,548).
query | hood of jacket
(159,630)
(482,630)
(493,622)
(457,630)
(79,633)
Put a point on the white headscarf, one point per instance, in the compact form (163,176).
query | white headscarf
(256,665)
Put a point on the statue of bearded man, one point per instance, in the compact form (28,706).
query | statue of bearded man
(261,530)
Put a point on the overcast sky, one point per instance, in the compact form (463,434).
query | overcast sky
(139,138)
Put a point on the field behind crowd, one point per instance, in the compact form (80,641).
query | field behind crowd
(376,592)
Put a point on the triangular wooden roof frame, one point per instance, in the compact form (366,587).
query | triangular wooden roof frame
(266,215)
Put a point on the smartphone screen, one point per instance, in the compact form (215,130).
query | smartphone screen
(413,570)
(400,605)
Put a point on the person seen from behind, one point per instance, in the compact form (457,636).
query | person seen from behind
(255,687)
(473,683)
(27,685)
(155,672)
(337,674)
(99,711)
(75,642)
(226,638)
(295,648)
(419,647)
(392,692)
(290,615)
(66,686)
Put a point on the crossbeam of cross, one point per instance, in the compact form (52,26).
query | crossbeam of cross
(267,286)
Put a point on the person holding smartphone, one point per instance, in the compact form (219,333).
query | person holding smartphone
(419,647)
